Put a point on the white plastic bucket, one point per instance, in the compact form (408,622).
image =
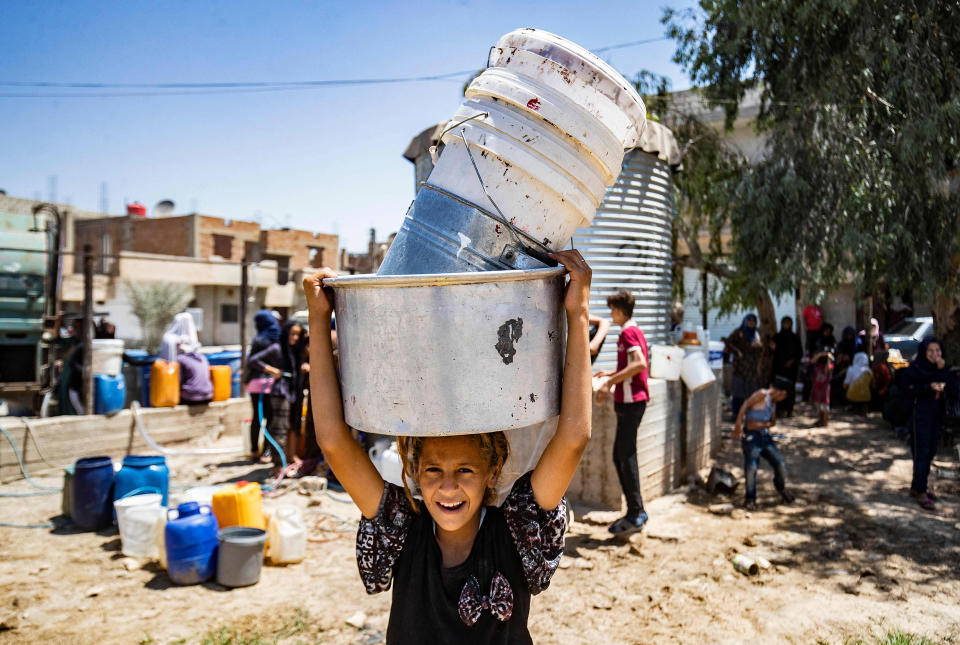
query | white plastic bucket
(136,539)
(581,90)
(107,356)
(288,535)
(556,122)
(696,372)
(580,64)
(666,362)
(139,534)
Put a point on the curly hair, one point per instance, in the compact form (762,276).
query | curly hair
(494,448)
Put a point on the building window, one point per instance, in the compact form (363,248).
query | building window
(283,267)
(223,246)
(316,256)
(229,313)
(251,251)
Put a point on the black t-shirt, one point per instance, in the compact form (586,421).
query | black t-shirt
(519,541)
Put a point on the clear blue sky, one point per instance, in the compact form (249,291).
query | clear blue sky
(326,159)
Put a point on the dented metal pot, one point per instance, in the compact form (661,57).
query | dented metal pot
(450,353)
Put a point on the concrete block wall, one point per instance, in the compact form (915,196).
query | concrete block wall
(65,439)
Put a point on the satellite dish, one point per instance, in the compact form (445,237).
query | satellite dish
(163,208)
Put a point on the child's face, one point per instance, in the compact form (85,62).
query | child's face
(617,316)
(453,479)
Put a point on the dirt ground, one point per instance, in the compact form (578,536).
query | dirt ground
(854,557)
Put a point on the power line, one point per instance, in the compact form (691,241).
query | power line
(234,87)
(633,43)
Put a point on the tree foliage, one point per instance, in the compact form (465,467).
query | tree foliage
(155,304)
(860,110)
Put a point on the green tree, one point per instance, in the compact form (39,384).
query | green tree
(155,304)
(860,110)
(705,193)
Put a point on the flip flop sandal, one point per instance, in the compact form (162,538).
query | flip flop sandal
(926,503)
(624,527)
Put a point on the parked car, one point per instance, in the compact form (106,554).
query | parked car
(907,334)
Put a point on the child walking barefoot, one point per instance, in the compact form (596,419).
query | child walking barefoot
(463,571)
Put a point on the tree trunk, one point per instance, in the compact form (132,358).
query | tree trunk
(946,325)
(768,328)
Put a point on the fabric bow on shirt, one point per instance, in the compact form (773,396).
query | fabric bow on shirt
(499,602)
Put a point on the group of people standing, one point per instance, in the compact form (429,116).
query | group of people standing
(854,369)
(278,353)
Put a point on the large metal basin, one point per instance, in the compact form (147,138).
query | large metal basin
(450,353)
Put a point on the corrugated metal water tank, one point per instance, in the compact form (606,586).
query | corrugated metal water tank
(629,246)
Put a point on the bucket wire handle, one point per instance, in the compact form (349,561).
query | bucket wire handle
(503,218)
(433,148)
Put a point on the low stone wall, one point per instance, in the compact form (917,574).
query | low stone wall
(65,439)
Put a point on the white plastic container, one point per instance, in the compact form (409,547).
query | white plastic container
(666,362)
(696,372)
(385,457)
(548,125)
(107,356)
(716,355)
(288,535)
(136,519)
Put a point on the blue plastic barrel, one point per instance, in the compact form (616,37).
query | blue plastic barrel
(146,474)
(109,393)
(91,500)
(191,543)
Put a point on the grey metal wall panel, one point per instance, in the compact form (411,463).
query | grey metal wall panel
(629,246)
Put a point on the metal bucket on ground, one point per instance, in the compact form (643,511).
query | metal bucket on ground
(240,556)
(446,354)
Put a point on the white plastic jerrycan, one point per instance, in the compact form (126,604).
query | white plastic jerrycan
(385,457)
(288,535)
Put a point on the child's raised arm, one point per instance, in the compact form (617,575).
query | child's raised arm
(559,461)
(347,459)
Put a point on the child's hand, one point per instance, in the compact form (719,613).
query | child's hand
(319,298)
(577,300)
(603,392)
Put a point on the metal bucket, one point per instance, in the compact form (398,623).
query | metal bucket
(445,234)
(448,354)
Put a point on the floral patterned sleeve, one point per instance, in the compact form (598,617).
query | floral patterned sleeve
(537,534)
(380,540)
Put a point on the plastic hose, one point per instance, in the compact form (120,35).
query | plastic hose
(273,442)
(41,490)
(135,409)
(43,525)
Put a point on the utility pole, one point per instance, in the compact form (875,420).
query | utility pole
(87,329)
(704,305)
(243,315)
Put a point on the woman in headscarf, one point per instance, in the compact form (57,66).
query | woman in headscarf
(282,360)
(858,380)
(846,348)
(179,338)
(787,353)
(181,345)
(268,332)
(924,383)
(745,345)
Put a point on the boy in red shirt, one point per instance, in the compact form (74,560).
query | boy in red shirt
(630,396)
